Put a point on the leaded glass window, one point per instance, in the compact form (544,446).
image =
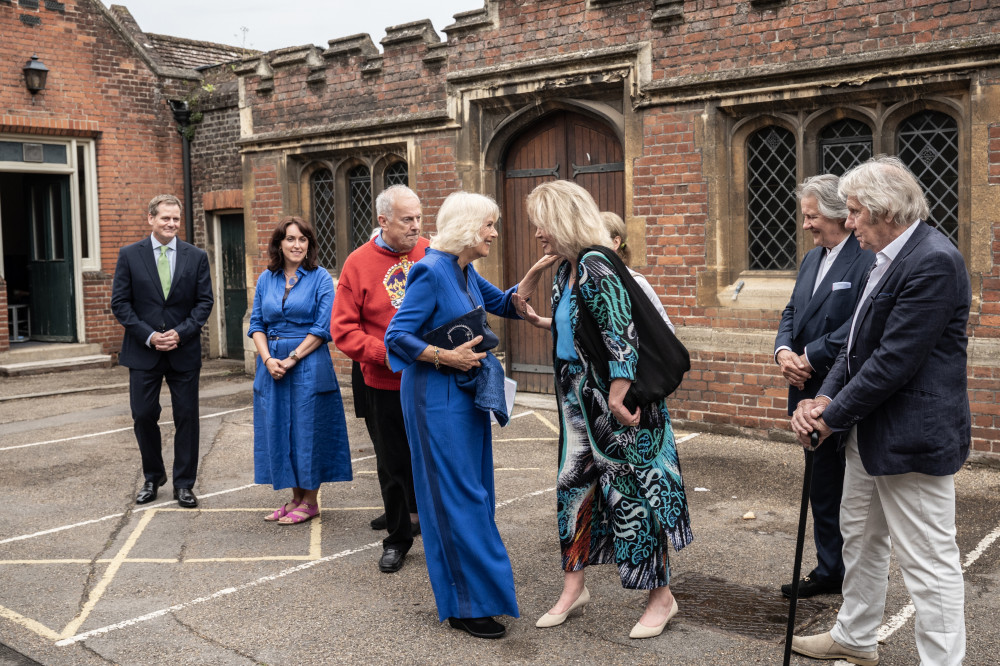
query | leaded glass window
(771,199)
(396,174)
(324,217)
(927,142)
(359,188)
(844,144)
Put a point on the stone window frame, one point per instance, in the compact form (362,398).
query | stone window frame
(739,287)
(340,164)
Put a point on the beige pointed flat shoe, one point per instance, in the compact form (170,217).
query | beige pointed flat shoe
(550,620)
(642,631)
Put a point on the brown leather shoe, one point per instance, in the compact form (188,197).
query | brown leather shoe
(822,646)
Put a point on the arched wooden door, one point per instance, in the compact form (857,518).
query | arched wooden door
(561,145)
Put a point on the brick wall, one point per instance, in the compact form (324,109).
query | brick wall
(98,87)
(352,93)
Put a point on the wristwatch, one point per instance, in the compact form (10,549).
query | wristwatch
(294,355)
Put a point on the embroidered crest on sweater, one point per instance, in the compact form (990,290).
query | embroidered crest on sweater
(395,281)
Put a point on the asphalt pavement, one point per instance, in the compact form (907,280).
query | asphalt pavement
(88,577)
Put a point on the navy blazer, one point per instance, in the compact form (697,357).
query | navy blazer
(903,380)
(818,323)
(137,302)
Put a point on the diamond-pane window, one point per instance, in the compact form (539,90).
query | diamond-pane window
(397,174)
(324,217)
(359,187)
(843,145)
(927,142)
(771,199)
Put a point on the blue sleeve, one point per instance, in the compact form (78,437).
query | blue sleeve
(324,306)
(496,301)
(403,343)
(256,316)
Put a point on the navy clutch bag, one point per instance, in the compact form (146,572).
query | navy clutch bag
(461,329)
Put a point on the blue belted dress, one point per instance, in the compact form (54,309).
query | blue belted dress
(299,430)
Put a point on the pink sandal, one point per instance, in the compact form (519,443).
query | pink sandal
(280,512)
(300,514)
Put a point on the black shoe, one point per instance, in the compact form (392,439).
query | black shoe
(810,587)
(149,489)
(379,523)
(480,627)
(185,498)
(391,560)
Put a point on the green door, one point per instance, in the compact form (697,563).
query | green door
(234,287)
(50,268)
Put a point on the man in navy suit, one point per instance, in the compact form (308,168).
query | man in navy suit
(162,295)
(813,328)
(898,389)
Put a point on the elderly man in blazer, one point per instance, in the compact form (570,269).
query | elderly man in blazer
(898,389)
(813,328)
(162,295)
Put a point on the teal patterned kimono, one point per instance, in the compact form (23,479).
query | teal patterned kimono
(619,491)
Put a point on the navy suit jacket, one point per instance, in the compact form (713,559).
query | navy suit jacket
(903,380)
(137,302)
(818,323)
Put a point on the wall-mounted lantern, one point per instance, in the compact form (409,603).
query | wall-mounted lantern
(35,73)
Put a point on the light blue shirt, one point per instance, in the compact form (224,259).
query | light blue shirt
(171,252)
(564,327)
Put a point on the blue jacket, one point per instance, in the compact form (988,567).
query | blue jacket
(818,323)
(903,379)
(137,302)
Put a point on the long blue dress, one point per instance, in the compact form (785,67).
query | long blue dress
(451,445)
(299,430)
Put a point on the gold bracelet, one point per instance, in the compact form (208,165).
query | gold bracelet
(437,361)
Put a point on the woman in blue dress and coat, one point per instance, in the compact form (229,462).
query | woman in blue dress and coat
(300,434)
(620,497)
(450,436)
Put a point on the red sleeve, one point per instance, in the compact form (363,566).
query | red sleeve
(345,323)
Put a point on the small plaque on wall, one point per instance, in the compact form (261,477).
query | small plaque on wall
(33,152)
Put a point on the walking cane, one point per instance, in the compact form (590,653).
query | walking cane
(803,514)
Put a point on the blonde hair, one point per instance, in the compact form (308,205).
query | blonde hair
(460,219)
(616,227)
(568,215)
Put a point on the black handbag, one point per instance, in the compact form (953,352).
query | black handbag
(461,329)
(663,359)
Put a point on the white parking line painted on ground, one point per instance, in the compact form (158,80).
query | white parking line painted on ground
(254,583)
(116,430)
(137,510)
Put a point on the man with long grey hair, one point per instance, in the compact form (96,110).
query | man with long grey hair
(898,391)
(813,328)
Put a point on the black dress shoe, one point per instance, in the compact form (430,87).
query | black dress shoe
(185,498)
(379,523)
(810,587)
(480,627)
(391,560)
(415,529)
(149,489)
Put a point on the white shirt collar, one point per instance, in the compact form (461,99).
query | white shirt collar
(835,250)
(892,249)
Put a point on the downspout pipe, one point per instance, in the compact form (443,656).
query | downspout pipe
(182,115)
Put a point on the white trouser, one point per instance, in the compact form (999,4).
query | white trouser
(917,512)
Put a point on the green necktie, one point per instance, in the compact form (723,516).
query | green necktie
(163,268)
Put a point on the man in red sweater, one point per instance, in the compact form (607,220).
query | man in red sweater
(371,287)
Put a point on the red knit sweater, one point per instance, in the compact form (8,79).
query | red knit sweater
(369,292)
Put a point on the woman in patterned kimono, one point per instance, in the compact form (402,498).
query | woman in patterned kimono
(451,444)
(299,429)
(619,490)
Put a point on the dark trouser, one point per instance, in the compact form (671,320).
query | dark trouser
(824,498)
(384,418)
(144,397)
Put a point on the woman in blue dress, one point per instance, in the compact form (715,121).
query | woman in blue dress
(299,430)
(450,438)
(620,496)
